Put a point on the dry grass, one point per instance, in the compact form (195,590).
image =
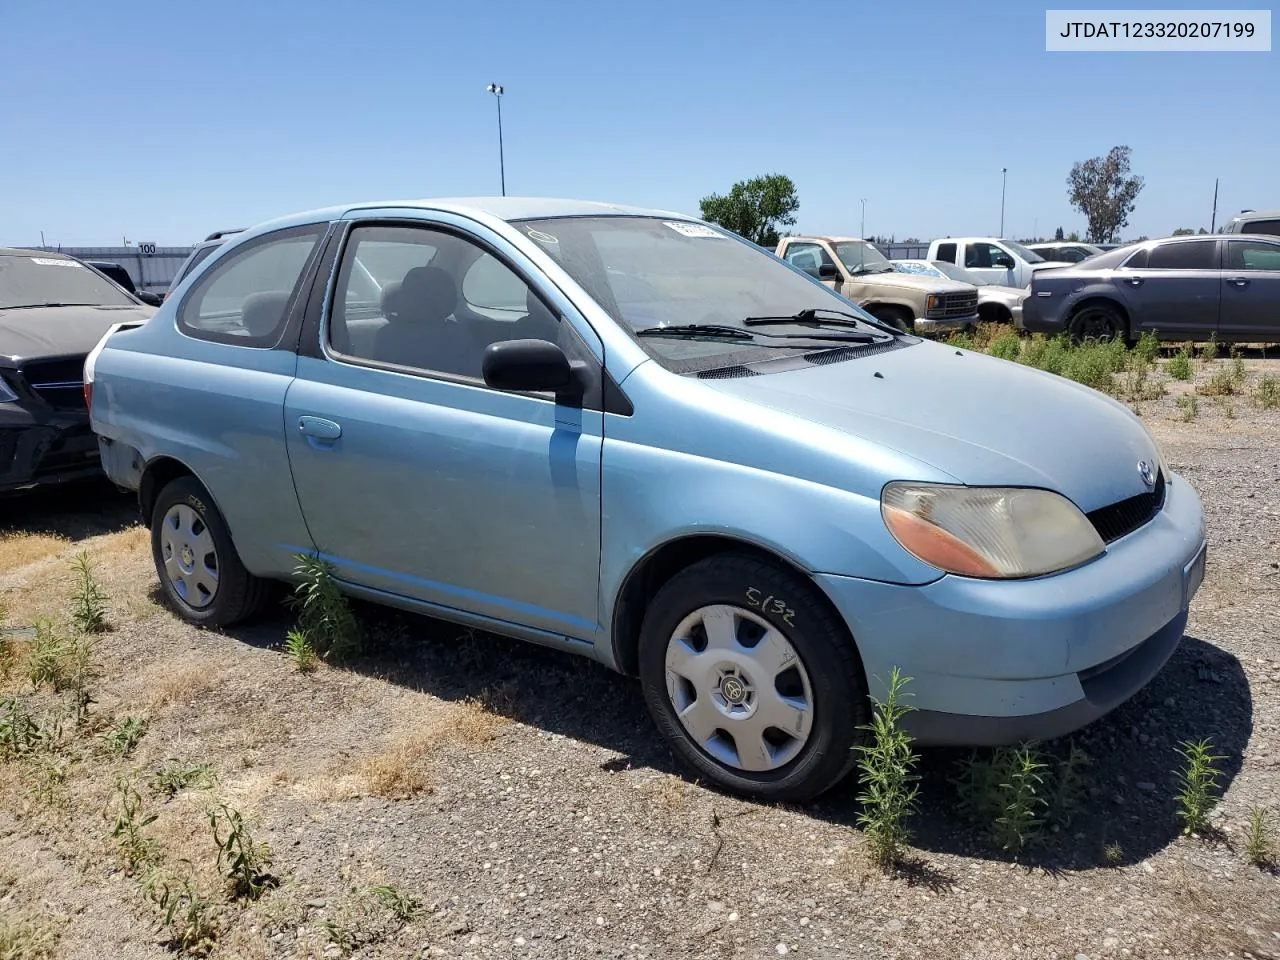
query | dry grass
(402,768)
(18,550)
(178,681)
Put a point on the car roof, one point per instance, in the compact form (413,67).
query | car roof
(1257,215)
(24,252)
(828,238)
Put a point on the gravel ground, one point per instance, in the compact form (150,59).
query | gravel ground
(518,803)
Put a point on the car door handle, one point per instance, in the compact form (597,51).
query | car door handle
(318,428)
(1238,281)
(1133,281)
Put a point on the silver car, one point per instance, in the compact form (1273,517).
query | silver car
(997,303)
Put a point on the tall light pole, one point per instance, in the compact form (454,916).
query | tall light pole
(496,90)
(1004,177)
(862,230)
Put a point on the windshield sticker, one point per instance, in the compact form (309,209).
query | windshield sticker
(692,229)
(541,237)
(50,262)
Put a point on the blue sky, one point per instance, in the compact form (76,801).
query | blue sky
(163,121)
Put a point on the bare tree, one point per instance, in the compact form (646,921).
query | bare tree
(1103,190)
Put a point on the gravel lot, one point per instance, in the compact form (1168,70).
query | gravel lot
(519,796)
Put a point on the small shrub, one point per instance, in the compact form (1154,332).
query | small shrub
(1238,373)
(1189,406)
(403,906)
(1219,385)
(124,734)
(1210,349)
(1179,365)
(19,732)
(242,861)
(1007,347)
(46,657)
(88,602)
(47,775)
(1046,354)
(1069,788)
(324,615)
(1006,793)
(1095,364)
(1147,349)
(1199,781)
(1259,843)
(26,940)
(127,825)
(1268,393)
(1136,383)
(888,779)
(961,340)
(300,651)
(189,916)
(177,775)
(81,671)
(1112,854)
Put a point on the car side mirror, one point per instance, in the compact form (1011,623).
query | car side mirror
(533,365)
(149,298)
(828,271)
(1005,262)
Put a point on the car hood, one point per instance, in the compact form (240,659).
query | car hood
(1003,294)
(1050,265)
(983,421)
(913,281)
(26,334)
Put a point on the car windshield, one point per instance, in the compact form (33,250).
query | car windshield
(960,273)
(1028,255)
(862,258)
(648,272)
(920,267)
(32,280)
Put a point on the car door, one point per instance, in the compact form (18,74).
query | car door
(983,258)
(1172,288)
(415,478)
(811,257)
(1250,291)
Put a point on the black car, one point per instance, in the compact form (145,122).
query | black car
(117,273)
(53,311)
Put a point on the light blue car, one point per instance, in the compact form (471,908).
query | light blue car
(631,435)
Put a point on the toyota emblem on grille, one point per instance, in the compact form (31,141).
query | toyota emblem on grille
(1148,475)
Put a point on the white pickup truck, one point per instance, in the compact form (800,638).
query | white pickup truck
(1005,262)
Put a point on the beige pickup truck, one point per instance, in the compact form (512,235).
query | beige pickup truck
(859,272)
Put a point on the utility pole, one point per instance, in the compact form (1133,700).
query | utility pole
(862,227)
(497,92)
(1004,177)
(1213,222)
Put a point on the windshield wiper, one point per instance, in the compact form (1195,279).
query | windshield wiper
(723,332)
(37,306)
(810,315)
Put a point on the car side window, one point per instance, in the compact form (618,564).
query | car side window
(1261,226)
(1253,255)
(442,300)
(982,255)
(244,299)
(1137,261)
(1187,255)
(807,256)
(947,252)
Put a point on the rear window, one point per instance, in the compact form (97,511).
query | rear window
(36,281)
(1269,227)
(197,257)
(1187,255)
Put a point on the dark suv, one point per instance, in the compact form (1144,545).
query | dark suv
(53,311)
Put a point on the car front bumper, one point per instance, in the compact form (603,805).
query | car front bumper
(1042,315)
(995,662)
(943,324)
(39,448)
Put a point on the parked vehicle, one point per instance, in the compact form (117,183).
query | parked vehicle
(636,436)
(1064,252)
(1000,261)
(996,302)
(1180,288)
(198,255)
(1255,222)
(862,274)
(116,273)
(53,309)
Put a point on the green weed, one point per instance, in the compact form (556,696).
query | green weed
(46,657)
(19,732)
(1147,349)
(1259,842)
(190,917)
(1221,384)
(300,651)
(124,734)
(88,601)
(1210,349)
(324,615)
(1189,406)
(1008,792)
(1066,798)
(961,340)
(1199,782)
(1179,365)
(1268,393)
(1006,347)
(26,940)
(1112,854)
(1046,354)
(242,861)
(403,906)
(1238,372)
(887,775)
(177,775)
(46,779)
(128,820)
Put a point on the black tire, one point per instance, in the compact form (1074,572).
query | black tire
(1097,321)
(896,317)
(239,594)
(818,636)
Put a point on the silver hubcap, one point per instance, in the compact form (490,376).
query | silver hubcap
(190,560)
(739,688)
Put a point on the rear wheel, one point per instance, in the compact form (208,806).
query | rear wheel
(894,317)
(199,569)
(751,679)
(1097,321)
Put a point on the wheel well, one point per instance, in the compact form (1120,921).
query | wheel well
(1101,302)
(994,313)
(159,473)
(649,575)
(898,309)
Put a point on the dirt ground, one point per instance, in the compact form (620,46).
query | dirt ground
(461,795)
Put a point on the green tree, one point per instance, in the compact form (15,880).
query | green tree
(756,209)
(1182,232)
(1102,189)
(1057,234)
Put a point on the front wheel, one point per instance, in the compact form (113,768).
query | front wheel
(1096,321)
(752,680)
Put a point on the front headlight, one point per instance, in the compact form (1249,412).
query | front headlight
(933,303)
(989,532)
(6,392)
